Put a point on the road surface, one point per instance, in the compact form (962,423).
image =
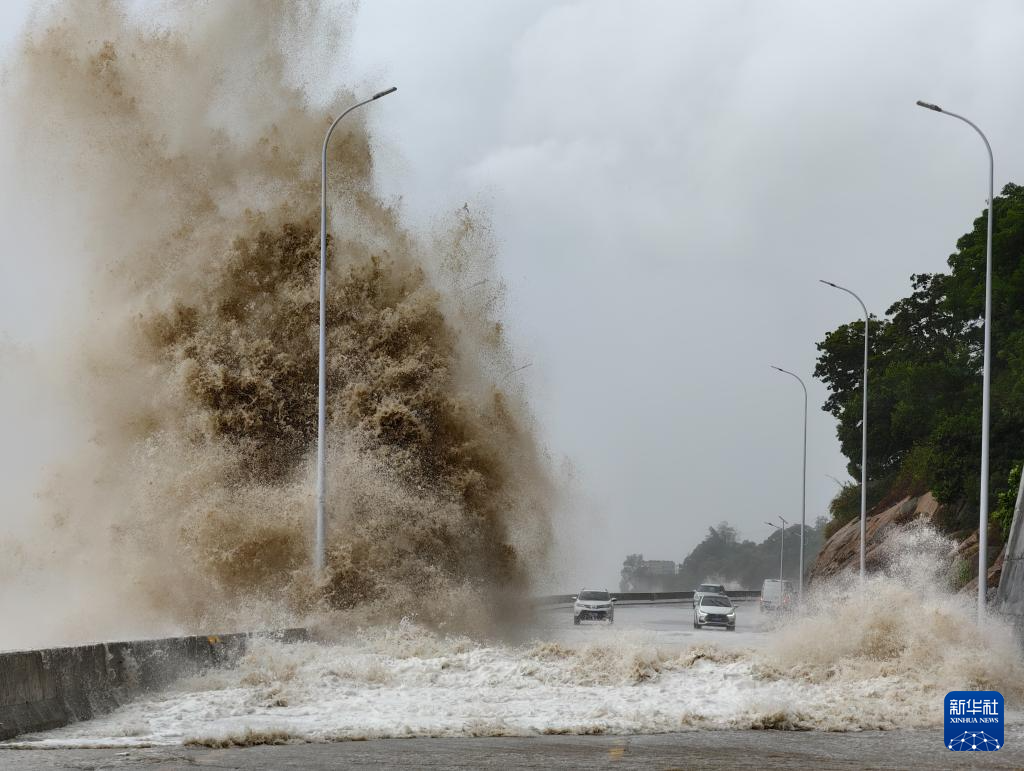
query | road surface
(705,749)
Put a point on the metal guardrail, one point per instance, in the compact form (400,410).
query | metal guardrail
(628,597)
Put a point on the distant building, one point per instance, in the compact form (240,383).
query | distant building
(640,575)
(660,567)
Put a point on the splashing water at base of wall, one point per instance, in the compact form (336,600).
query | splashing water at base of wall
(878,659)
(903,624)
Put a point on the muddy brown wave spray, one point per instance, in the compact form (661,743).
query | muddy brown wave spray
(187,149)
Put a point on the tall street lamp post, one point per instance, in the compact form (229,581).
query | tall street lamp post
(803,498)
(782,546)
(321,422)
(986,372)
(864,433)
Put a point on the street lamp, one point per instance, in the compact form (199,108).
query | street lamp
(782,547)
(321,422)
(864,432)
(803,498)
(986,372)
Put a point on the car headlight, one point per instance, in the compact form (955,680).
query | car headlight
(702,616)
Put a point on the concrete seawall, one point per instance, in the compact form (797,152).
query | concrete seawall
(54,687)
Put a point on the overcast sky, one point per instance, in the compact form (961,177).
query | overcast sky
(667,183)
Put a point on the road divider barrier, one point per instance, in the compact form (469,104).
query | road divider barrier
(45,689)
(626,598)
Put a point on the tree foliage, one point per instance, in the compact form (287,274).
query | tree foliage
(1002,515)
(723,558)
(924,411)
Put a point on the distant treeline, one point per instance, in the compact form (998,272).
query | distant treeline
(924,406)
(723,558)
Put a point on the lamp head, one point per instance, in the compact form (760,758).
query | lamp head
(929,106)
(379,94)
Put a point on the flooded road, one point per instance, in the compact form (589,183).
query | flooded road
(559,695)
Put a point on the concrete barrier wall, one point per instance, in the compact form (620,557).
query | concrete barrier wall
(52,688)
(625,598)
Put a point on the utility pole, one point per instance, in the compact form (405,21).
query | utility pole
(803,495)
(319,554)
(864,434)
(986,372)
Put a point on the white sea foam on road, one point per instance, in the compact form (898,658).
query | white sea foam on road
(406,681)
(877,656)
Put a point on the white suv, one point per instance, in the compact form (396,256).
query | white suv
(715,610)
(592,604)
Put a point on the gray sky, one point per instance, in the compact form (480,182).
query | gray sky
(667,182)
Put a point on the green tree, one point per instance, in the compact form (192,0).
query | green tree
(1002,515)
(723,556)
(924,419)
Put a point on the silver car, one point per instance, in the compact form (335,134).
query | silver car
(593,605)
(715,610)
(703,589)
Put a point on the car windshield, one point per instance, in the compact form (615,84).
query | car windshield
(594,596)
(710,588)
(716,602)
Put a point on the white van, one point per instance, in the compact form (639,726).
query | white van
(776,594)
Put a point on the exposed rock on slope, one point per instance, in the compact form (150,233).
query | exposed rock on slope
(842,550)
(968,553)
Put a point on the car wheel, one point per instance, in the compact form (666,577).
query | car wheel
(611,619)
(696,625)
(576,620)
(731,628)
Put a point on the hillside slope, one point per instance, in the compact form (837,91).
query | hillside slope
(842,551)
